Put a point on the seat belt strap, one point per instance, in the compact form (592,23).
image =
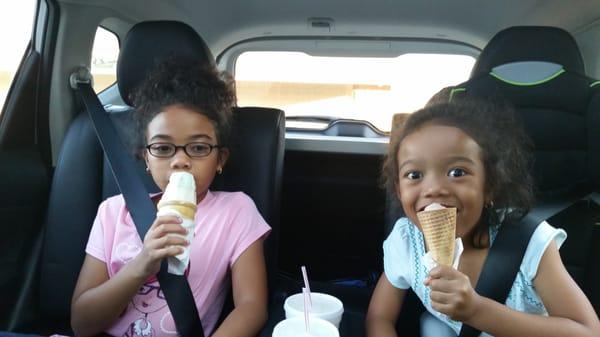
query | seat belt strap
(176,289)
(502,263)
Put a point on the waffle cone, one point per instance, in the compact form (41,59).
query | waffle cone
(439,230)
(186,209)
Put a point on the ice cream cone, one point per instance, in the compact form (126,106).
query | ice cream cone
(179,199)
(186,209)
(439,230)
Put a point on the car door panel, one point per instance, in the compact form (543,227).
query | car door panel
(24,182)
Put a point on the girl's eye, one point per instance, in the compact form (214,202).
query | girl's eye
(199,148)
(456,172)
(162,148)
(414,175)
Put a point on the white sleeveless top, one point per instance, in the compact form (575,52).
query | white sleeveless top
(405,245)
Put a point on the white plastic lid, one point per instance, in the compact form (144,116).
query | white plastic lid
(323,306)
(295,327)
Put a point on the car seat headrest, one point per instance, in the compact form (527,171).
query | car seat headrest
(530,43)
(148,43)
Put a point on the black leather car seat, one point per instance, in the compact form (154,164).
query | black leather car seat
(540,70)
(82,178)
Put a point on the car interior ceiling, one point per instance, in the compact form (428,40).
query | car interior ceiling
(328,210)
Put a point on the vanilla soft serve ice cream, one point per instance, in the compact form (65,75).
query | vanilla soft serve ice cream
(433,207)
(179,198)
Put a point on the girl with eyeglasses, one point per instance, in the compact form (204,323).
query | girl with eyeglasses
(183,121)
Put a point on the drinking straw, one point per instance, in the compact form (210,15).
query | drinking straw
(306,309)
(305,277)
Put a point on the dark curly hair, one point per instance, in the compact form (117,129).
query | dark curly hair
(187,82)
(505,151)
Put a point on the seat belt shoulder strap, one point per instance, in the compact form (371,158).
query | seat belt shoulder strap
(502,263)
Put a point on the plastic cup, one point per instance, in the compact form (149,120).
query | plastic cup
(324,306)
(295,327)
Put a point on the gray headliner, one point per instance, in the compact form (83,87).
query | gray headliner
(223,23)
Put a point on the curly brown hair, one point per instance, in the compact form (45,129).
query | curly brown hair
(505,153)
(191,83)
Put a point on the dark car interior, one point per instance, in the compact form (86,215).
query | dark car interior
(326,205)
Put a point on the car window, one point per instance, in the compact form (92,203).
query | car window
(104,59)
(364,88)
(16,23)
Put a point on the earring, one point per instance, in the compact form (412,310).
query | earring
(490,204)
(219,170)
(147,169)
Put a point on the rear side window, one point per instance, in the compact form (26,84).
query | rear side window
(104,59)
(362,88)
(16,23)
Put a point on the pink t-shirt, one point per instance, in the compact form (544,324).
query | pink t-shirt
(226,224)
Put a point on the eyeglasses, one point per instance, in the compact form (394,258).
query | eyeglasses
(168,150)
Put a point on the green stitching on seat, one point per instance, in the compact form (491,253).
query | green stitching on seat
(528,84)
(594,84)
(455,90)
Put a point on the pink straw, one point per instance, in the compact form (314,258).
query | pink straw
(305,277)
(306,309)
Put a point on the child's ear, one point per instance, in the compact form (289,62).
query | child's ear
(487,199)
(144,154)
(223,156)
(398,195)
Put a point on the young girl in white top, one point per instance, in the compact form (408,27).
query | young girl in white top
(470,155)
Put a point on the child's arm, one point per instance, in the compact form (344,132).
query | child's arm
(249,281)
(570,313)
(99,300)
(384,309)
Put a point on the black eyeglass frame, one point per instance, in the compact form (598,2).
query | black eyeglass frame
(184,147)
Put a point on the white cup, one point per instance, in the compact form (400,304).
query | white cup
(296,327)
(324,306)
